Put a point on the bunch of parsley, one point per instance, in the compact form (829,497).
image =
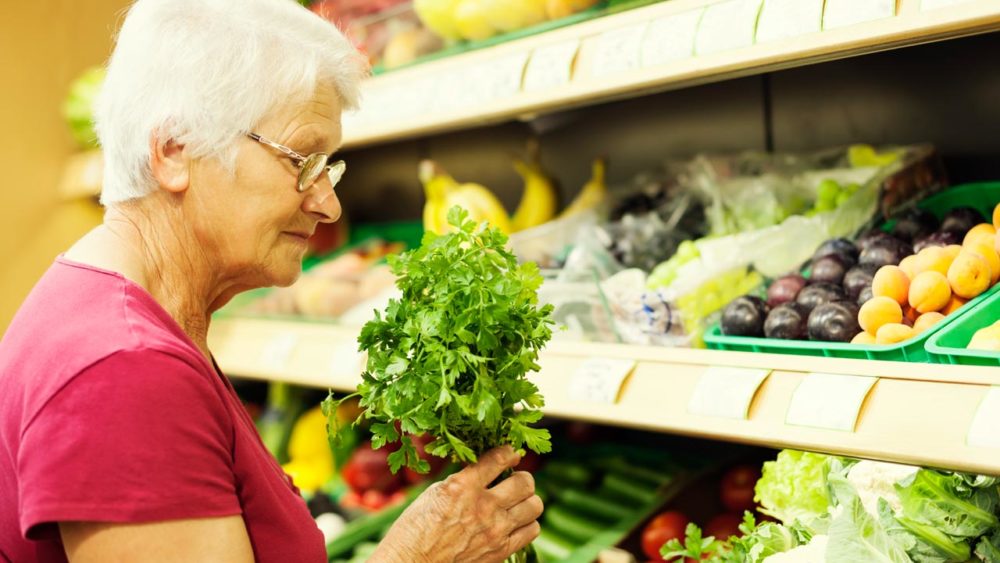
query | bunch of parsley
(450,357)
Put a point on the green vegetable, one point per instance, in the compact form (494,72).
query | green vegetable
(552,546)
(574,526)
(694,546)
(368,527)
(631,490)
(794,487)
(857,536)
(568,473)
(949,502)
(449,358)
(594,505)
(988,548)
(78,109)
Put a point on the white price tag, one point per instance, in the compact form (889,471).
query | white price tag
(780,19)
(727,25)
(346,361)
(841,13)
(504,77)
(983,431)
(670,38)
(726,392)
(618,50)
(550,66)
(599,380)
(276,353)
(829,401)
(935,4)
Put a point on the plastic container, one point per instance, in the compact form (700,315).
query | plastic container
(981,196)
(948,345)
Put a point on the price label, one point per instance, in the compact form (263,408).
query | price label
(346,361)
(550,66)
(841,13)
(727,25)
(935,4)
(504,76)
(276,353)
(780,19)
(829,401)
(983,432)
(600,380)
(726,392)
(670,38)
(618,50)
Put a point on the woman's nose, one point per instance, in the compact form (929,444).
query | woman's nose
(322,202)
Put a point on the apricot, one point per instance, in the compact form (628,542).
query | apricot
(981,231)
(969,275)
(863,338)
(996,243)
(908,264)
(933,259)
(952,250)
(926,321)
(879,311)
(929,291)
(987,252)
(893,333)
(954,304)
(892,282)
(996,217)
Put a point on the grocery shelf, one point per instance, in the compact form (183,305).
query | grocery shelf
(914,413)
(663,46)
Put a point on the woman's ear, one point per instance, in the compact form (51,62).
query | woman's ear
(170,163)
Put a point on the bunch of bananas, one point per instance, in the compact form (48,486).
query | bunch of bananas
(476,20)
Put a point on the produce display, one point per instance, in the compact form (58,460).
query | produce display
(475,20)
(825,508)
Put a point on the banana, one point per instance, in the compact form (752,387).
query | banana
(540,198)
(443,193)
(592,194)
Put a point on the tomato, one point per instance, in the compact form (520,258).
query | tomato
(661,529)
(368,469)
(373,499)
(736,489)
(723,526)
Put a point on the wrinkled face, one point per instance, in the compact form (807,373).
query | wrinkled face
(254,223)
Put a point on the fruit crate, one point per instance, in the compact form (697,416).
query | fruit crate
(983,197)
(947,346)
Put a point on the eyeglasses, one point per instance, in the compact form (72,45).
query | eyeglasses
(310,167)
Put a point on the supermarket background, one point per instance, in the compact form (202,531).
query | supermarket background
(673,156)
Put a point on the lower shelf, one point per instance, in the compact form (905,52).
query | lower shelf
(913,413)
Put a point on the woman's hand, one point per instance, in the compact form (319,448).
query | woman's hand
(460,519)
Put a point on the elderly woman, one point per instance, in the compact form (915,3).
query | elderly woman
(120,440)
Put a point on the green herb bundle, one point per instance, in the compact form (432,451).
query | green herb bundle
(450,357)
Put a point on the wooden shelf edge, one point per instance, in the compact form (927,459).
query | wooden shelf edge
(911,27)
(912,415)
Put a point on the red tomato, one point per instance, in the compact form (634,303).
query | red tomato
(368,469)
(661,529)
(373,499)
(723,526)
(736,489)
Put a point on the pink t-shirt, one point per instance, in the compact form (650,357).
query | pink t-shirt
(108,412)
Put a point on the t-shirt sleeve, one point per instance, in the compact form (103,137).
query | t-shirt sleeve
(140,436)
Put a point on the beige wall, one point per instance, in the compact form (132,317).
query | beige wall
(43,46)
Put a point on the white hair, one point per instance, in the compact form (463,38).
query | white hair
(205,72)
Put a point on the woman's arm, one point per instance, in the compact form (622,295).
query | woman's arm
(460,519)
(222,540)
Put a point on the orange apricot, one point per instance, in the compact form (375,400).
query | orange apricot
(893,333)
(929,291)
(908,265)
(987,252)
(952,250)
(932,259)
(969,274)
(926,321)
(954,304)
(996,217)
(879,311)
(981,231)
(863,338)
(892,282)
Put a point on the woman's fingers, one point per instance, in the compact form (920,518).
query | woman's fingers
(524,535)
(514,489)
(491,464)
(526,511)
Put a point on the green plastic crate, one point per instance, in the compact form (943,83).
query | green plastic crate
(982,196)
(948,345)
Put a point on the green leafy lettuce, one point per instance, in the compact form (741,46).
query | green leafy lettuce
(794,487)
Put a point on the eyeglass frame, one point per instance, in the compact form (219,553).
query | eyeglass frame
(334,170)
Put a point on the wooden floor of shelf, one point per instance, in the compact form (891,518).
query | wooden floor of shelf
(396,115)
(915,413)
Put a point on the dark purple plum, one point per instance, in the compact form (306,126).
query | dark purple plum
(744,316)
(784,289)
(840,247)
(836,321)
(830,269)
(865,295)
(940,238)
(961,219)
(872,237)
(886,252)
(787,322)
(914,224)
(816,294)
(859,277)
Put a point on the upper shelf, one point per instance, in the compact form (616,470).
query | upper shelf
(910,413)
(663,46)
